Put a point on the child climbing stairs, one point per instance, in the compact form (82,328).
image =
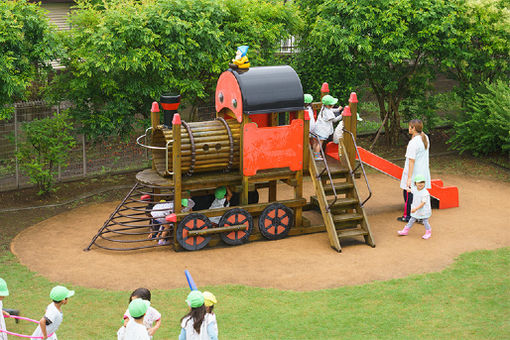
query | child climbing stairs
(338,200)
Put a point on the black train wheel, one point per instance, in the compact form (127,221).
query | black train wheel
(193,221)
(236,216)
(276,221)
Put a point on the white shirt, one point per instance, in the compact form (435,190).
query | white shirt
(55,316)
(215,205)
(191,334)
(325,120)
(416,150)
(151,316)
(136,331)
(420,196)
(3,336)
(161,210)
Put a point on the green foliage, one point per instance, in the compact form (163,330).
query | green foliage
(123,54)
(391,45)
(26,45)
(44,145)
(485,125)
(479,44)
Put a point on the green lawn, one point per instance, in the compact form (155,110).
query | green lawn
(469,300)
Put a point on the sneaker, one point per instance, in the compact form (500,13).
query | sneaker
(403,219)
(403,232)
(428,234)
(163,242)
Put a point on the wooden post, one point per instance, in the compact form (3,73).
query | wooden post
(176,162)
(306,140)
(245,188)
(298,190)
(176,168)
(273,184)
(351,152)
(154,123)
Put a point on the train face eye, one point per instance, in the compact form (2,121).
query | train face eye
(206,147)
(217,147)
(234,103)
(220,97)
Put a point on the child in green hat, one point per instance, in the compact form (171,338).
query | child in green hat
(324,124)
(420,208)
(135,328)
(3,293)
(53,316)
(222,196)
(197,324)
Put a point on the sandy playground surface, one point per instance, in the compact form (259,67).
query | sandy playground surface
(295,263)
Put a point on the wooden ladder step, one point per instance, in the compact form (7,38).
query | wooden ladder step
(340,188)
(335,173)
(352,217)
(351,233)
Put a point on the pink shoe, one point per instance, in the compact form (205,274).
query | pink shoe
(428,234)
(403,232)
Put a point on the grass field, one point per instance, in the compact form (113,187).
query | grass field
(469,300)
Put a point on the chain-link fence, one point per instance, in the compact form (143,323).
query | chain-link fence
(86,159)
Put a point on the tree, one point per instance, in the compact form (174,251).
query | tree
(44,146)
(123,54)
(485,125)
(26,45)
(481,49)
(394,45)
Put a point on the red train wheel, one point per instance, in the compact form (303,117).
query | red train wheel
(276,221)
(193,222)
(236,216)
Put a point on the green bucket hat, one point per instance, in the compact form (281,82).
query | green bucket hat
(329,100)
(3,288)
(195,299)
(220,192)
(60,293)
(138,307)
(419,178)
(308,98)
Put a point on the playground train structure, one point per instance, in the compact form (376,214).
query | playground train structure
(258,139)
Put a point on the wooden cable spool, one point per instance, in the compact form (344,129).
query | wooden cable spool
(205,146)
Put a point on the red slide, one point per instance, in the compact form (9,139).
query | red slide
(448,196)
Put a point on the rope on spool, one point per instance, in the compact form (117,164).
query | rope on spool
(231,141)
(193,151)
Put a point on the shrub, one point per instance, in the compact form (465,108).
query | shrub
(485,125)
(45,145)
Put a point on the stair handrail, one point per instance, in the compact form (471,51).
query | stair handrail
(326,168)
(151,147)
(358,166)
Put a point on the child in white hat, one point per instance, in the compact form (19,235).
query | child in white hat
(3,293)
(53,316)
(420,208)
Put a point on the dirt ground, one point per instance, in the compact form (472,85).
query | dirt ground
(54,247)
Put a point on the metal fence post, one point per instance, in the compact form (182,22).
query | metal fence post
(16,145)
(84,155)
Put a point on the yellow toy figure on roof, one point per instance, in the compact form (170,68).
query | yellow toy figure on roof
(241,60)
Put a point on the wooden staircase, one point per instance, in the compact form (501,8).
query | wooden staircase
(338,199)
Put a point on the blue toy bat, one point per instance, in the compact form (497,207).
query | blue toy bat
(191,283)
